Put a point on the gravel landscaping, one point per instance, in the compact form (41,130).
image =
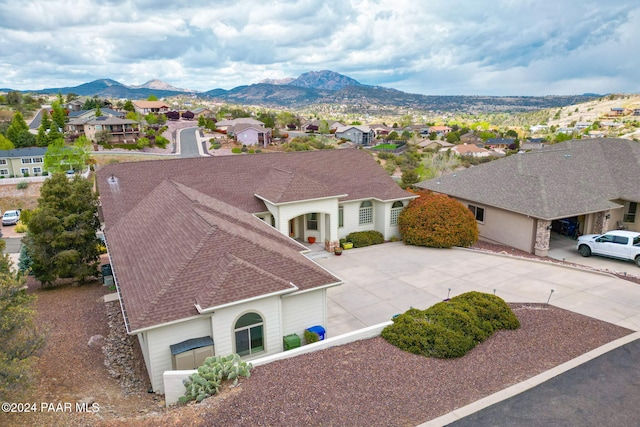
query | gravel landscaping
(367,383)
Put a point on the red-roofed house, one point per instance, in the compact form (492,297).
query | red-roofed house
(206,252)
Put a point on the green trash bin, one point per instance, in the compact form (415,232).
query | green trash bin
(291,341)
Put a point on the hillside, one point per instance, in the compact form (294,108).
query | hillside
(317,88)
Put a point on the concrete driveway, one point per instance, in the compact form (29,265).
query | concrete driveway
(387,279)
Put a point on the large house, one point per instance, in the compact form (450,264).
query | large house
(207,253)
(146,107)
(19,162)
(361,135)
(590,185)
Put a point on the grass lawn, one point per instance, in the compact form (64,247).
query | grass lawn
(385,147)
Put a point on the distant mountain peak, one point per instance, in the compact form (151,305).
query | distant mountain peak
(325,79)
(159,85)
(283,81)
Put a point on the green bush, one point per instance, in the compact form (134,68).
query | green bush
(216,146)
(161,141)
(451,328)
(208,380)
(437,221)
(310,337)
(22,185)
(236,150)
(360,239)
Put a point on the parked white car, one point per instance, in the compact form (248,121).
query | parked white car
(11,217)
(616,244)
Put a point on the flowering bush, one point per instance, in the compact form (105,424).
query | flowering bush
(437,221)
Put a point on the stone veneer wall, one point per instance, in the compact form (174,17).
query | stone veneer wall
(543,235)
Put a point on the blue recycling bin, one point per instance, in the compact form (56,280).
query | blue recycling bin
(318,330)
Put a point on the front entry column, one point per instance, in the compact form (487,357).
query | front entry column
(543,235)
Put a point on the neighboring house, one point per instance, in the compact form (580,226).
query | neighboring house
(146,107)
(566,130)
(120,130)
(381,130)
(204,250)
(224,125)
(361,135)
(440,130)
(247,134)
(596,134)
(533,144)
(583,125)
(435,144)
(87,114)
(636,111)
(499,142)
(469,150)
(470,138)
(618,112)
(203,112)
(517,200)
(27,161)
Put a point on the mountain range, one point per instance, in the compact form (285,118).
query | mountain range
(319,87)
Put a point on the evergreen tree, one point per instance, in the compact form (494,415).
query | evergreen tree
(59,114)
(61,238)
(18,334)
(5,144)
(128,106)
(17,127)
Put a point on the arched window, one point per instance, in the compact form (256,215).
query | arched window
(396,208)
(249,331)
(366,213)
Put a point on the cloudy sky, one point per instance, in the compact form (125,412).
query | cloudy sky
(433,47)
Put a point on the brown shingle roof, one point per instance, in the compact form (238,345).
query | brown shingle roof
(561,180)
(177,247)
(236,179)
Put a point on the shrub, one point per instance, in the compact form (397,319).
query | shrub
(236,150)
(451,328)
(216,146)
(251,151)
(244,149)
(143,142)
(310,337)
(20,227)
(437,221)
(208,380)
(22,185)
(361,239)
(161,141)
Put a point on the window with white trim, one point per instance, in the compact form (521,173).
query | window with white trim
(3,161)
(478,212)
(37,170)
(396,208)
(630,214)
(26,161)
(37,160)
(366,213)
(249,334)
(4,172)
(340,216)
(312,221)
(24,171)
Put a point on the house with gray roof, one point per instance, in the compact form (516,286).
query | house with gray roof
(360,135)
(519,199)
(208,256)
(25,161)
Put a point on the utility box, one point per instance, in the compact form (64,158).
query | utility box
(291,341)
(107,275)
(318,330)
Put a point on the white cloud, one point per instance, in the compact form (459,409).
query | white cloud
(510,47)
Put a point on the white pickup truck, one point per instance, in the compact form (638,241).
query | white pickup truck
(616,244)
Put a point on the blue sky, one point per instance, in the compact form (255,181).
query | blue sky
(433,47)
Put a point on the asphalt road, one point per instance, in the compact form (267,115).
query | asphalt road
(602,392)
(13,245)
(189,142)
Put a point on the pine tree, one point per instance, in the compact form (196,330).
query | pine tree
(61,240)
